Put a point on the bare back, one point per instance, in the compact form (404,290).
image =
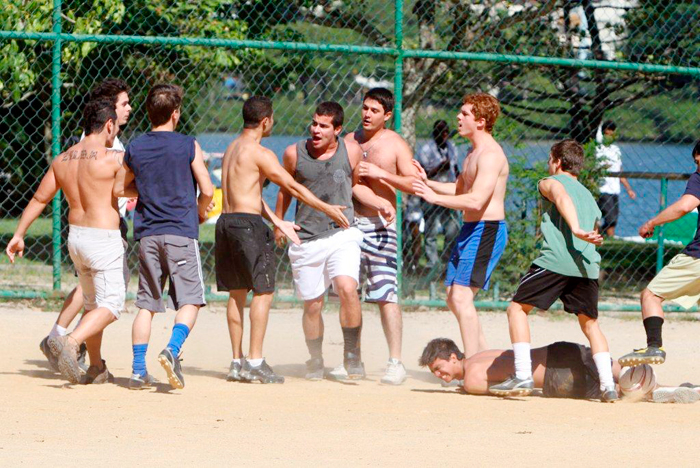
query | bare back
(388,152)
(485,169)
(241,177)
(86,174)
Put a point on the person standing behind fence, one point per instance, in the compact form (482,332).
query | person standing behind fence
(245,258)
(86,173)
(117,91)
(167,167)
(480,194)
(678,281)
(611,156)
(439,159)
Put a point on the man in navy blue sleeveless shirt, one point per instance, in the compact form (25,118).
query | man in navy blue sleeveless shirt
(167,167)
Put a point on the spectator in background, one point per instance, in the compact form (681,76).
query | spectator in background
(439,159)
(611,156)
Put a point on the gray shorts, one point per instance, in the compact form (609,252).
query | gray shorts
(168,256)
(98,256)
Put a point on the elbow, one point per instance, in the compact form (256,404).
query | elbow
(207,192)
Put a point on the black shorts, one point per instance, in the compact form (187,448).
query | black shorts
(540,288)
(244,253)
(571,372)
(609,205)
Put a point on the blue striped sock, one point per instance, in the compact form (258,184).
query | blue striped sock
(177,339)
(139,365)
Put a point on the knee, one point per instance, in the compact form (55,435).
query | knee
(514,310)
(347,290)
(648,296)
(588,326)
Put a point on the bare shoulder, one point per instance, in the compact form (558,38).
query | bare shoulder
(397,141)
(351,138)
(116,155)
(493,154)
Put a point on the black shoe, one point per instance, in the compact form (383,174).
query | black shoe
(263,374)
(82,352)
(314,369)
(648,355)
(354,366)
(172,367)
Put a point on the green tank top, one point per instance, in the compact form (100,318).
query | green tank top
(561,251)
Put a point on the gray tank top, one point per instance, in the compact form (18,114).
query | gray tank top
(329,180)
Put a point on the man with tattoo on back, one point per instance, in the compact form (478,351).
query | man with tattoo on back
(86,174)
(479,193)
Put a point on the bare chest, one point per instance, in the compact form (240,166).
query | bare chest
(381,155)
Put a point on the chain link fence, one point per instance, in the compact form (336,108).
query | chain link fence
(560,68)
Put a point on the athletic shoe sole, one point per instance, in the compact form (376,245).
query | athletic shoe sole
(69,368)
(46,351)
(681,395)
(638,361)
(173,379)
(512,393)
(314,376)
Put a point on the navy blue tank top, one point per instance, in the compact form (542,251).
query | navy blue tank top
(167,202)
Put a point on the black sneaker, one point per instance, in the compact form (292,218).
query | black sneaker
(354,366)
(172,367)
(53,360)
(234,372)
(314,369)
(648,355)
(263,374)
(82,352)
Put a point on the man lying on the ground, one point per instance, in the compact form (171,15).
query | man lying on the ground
(561,370)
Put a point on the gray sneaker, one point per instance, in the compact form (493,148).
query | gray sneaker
(96,376)
(339,374)
(53,360)
(314,369)
(138,382)
(172,367)
(234,372)
(354,367)
(395,373)
(263,374)
(513,387)
(66,349)
(609,395)
(675,395)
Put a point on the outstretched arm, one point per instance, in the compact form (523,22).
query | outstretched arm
(443,188)
(44,194)
(555,192)
(682,207)
(206,188)
(288,228)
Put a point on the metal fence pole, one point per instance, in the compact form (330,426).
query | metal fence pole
(398,104)
(662,206)
(56,140)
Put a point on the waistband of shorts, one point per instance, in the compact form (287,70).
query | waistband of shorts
(501,222)
(245,218)
(377,221)
(74,230)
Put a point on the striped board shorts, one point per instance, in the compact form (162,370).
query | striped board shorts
(378,263)
(477,250)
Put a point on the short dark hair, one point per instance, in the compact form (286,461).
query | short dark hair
(570,153)
(333,109)
(439,348)
(383,96)
(440,127)
(696,149)
(96,114)
(255,109)
(608,125)
(162,100)
(109,89)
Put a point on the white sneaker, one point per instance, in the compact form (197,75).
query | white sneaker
(452,383)
(675,395)
(395,373)
(339,373)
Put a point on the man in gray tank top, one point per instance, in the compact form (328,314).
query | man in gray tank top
(328,254)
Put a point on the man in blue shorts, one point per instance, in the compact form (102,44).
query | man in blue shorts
(479,193)
(168,168)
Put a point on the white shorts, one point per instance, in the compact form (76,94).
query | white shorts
(315,263)
(98,256)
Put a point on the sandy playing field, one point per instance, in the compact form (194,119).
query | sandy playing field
(211,422)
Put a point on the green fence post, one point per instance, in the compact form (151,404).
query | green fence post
(398,93)
(56,140)
(662,206)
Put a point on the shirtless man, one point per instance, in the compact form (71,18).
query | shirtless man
(328,254)
(86,174)
(479,193)
(245,258)
(117,91)
(386,166)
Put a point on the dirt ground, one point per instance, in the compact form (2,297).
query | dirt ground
(213,422)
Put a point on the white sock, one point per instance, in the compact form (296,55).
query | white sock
(255,362)
(604,366)
(523,362)
(57,330)
(237,361)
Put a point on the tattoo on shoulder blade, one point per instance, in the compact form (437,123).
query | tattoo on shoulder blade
(117,155)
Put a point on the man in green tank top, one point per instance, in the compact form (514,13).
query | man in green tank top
(567,269)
